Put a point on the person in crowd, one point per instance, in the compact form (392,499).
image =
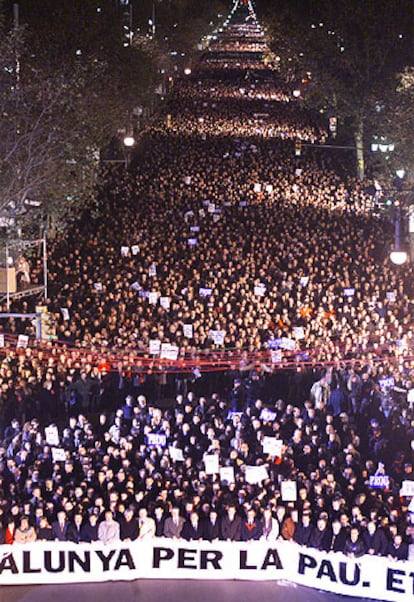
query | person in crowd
(193,528)
(44,530)
(304,530)
(211,527)
(174,524)
(109,529)
(270,526)
(354,545)
(146,525)
(397,548)
(251,528)
(89,531)
(25,533)
(231,524)
(60,527)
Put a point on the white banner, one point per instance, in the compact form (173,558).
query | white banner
(54,562)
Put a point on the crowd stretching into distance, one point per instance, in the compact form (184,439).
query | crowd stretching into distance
(225,245)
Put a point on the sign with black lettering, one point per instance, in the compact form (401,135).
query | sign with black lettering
(42,562)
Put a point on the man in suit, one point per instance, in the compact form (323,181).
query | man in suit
(251,528)
(231,525)
(60,527)
(192,528)
(174,524)
(212,526)
(159,521)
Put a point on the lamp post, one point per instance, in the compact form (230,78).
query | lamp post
(129,142)
(398,256)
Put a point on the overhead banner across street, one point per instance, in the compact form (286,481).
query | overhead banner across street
(47,563)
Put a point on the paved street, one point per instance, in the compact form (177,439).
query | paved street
(169,591)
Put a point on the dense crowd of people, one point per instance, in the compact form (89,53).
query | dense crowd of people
(219,241)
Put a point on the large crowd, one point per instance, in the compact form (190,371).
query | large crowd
(220,242)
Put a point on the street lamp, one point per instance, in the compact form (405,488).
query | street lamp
(129,142)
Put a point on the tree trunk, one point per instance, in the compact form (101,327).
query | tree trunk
(359,145)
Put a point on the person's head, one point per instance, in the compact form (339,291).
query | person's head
(354,533)
(142,513)
(24,523)
(77,519)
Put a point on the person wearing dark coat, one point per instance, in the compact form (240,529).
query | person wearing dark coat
(238,396)
(60,527)
(339,537)
(89,531)
(192,528)
(74,529)
(129,525)
(397,548)
(251,528)
(375,540)
(304,530)
(212,527)
(159,519)
(354,545)
(321,536)
(230,525)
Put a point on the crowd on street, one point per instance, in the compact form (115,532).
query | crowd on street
(224,238)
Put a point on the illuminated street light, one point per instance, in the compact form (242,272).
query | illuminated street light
(129,141)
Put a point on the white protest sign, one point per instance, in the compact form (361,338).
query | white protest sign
(124,251)
(152,270)
(304,280)
(136,286)
(22,341)
(153,298)
(135,249)
(272,446)
(65,313)
(269,187)
(169,352)
(211,463)
(192,242)
(218,336)
(176,454)
(154,346)
(267,415)
(289,491)
(257,187)
(260,290)
(276,356)
(188,331)
(407,489)
(288,344)
(298,332)
(227,474)
(98,286)
(390,296)
(58,454)
(1,340)
(165,302)
(52,435)
(256,474)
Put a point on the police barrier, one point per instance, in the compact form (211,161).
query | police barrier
(53,562)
